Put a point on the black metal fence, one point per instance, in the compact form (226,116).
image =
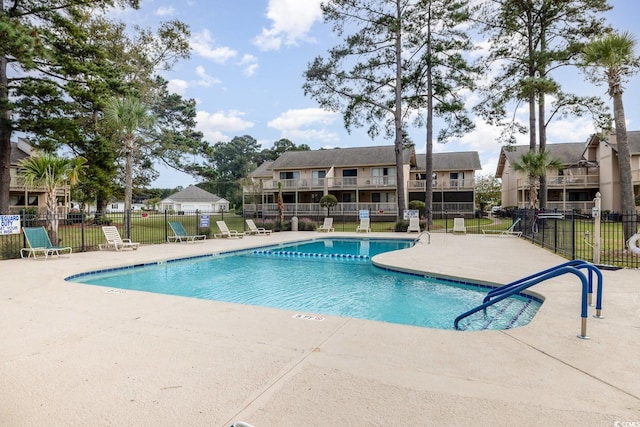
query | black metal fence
(83,232)
(568,234)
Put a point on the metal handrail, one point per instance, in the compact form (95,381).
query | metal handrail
(419,236)
(578,263)
(527,284)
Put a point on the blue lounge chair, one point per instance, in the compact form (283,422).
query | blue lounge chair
(181,235)
(40,244)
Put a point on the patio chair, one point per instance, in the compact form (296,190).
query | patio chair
(181,235)
(414,225)
(364,225)
(39,243)
(327,225)
(458,226)
(255,230)
(225,232)
(114,241)
(507,232)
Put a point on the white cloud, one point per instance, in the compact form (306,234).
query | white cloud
(205,79)
(177,86)
(203,45)
(164,11)
(291,20)
(306,124)
(215,125)
(249,63)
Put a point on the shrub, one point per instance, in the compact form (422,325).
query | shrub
(306,224)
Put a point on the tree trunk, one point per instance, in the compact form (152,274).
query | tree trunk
(624,164)
(128,185)
(52,216)
(5,139)
(399,142)
(428,197)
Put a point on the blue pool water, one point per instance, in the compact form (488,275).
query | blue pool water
(322,277)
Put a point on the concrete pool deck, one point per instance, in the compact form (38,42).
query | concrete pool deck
(79,355)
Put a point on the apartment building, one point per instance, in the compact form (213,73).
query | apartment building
(361,178)
(21,197)
(588,168)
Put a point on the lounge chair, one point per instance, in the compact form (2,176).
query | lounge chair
(364,225)
(114,241)
(414,225)
(508,232)
(39,243)
(458,226)
(225,232)
(255,230)
(327,225)
(181,235)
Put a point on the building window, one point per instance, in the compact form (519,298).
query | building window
(384,197)
(383,176)
(317,177)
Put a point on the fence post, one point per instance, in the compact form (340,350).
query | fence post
(166,227)
(596,228)
(82,233)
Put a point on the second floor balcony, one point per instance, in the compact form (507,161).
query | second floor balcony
(565,181)
(442,185)
(346,182)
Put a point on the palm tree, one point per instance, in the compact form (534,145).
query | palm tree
(535,164)
(614,55)
(51,172)
(127,116)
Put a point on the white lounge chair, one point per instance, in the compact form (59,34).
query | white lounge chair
(414,225)
(507,232)
(114,241)
(458,226)
(226,233)
(255,230)
(327,225)
(364,225)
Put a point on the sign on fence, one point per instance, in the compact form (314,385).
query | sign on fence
(9,224)
(411,213)
(363,214)
(204,220)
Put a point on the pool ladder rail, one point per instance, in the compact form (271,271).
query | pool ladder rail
(418,238)
(573,267)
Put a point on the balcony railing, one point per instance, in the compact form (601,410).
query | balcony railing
(445,185)
(565,181)
(347,182)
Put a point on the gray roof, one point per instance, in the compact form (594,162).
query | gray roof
(465,160)
(194,194)
(19,150)
(568,153)
(354,156)
(633,139)
(263,170)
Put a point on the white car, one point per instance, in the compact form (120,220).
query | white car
(496,209)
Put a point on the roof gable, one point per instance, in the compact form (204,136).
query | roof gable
(193,194)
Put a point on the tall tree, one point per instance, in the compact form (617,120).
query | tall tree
(128,117)
(439,73)
(614,56)
(51,172)
(30,29)
(535,164)
(227,163)
(363,76)
(530,39)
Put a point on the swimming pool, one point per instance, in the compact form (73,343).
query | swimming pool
(321,277)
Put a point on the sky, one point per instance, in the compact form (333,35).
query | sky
(246,74)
